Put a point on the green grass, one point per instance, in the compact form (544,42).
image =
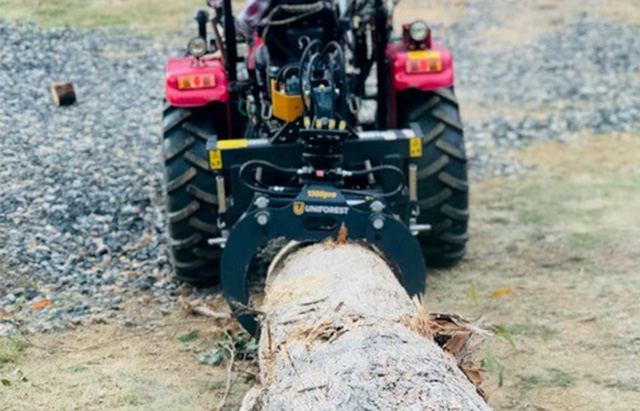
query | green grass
(10,350)
(550,378)
(187,338)
(584,211)
(624,385)
(534,330)
(76,369)
(210,385)
(130,400)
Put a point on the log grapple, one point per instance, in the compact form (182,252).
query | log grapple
(317,207)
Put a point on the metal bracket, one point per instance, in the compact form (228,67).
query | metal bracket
(316,214)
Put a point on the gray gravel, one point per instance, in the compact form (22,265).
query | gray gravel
(81,218)
(80,193)
(584,78)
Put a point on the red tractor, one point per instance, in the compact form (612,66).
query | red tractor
(319,121)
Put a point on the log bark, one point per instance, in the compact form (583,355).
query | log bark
(335,337)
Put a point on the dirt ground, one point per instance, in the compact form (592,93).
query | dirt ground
(152,364)
(553,260)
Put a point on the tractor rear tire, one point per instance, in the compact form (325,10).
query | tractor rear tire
(192,203)
(443,187)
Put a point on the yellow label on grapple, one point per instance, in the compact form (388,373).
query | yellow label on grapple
(415,147)
(231,144)
(215,159)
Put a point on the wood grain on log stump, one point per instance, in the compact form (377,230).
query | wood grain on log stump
(63,93)
(335,337)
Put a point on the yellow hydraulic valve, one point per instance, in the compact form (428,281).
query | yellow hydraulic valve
(285,107)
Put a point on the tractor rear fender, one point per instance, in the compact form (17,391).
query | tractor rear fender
(424,70)
(194,83)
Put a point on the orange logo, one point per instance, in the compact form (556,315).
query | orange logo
(298,208)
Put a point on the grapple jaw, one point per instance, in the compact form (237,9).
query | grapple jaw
(317,214)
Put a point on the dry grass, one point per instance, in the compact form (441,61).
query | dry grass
(565,238)
(10,351)
(535,18)
(146,16)
(445,12)
(111,367)
(624,11)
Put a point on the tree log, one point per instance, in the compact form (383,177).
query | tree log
(63,93)
(335,337)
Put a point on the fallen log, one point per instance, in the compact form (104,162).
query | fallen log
(339,333)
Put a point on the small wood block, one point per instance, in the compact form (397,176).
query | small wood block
(63,93)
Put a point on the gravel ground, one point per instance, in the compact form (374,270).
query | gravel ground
(584,78)
(81,220)
(80,212)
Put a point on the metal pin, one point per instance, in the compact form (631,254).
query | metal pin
(413,182)
(222,196)
(370,177)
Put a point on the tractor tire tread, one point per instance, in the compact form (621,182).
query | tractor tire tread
(202,195)
(453,182)
(192,202)
(443,188)
(181,147)
(181,180)
(434,168)
(197,160)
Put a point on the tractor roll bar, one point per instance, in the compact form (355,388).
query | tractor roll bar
(230,41)
(381,42)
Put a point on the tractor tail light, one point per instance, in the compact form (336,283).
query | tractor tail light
(425,61)
(196,81)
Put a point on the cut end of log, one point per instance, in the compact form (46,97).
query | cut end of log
(340,332)
(63,93)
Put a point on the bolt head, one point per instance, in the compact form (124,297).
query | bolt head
(377,207)
(262,202)
(262,219)
(378,223)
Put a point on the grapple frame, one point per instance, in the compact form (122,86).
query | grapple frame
(318,212)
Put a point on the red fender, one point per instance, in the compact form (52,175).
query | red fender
(190,66)
(401,80)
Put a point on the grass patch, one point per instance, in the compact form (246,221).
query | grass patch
(74,369)
(146,16)
(534,330)
(586,240)
(589,211)
(130,400)
(10,350)
(551,378)
(187,338)
(210,385)
(624,385)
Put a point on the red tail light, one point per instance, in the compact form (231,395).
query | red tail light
(426,61)
(197,81)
